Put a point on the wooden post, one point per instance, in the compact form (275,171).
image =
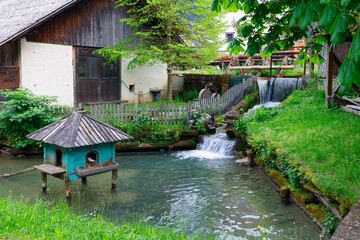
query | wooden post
(84,180)
(114,178)
(329,75)
(67,186)
(44,181)
(271,58)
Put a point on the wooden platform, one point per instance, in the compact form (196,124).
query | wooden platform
(349,227)
(50,169)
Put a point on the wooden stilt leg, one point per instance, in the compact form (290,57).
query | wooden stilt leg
(67,186)
(114,178)
(44,181)
(84,180)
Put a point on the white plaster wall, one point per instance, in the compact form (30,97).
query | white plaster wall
(47,69)
(229,19)
(144,78)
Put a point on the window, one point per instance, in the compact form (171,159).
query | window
(229,37)
(132,87)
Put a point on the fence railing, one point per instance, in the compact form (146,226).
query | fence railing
(166,113)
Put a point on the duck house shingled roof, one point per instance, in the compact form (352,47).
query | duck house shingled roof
(78,130)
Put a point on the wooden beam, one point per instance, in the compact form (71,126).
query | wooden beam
(261,67)
(329,75)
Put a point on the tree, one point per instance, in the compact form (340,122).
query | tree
(167,31)
(279,23)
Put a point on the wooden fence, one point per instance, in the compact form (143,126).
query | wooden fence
(166,113)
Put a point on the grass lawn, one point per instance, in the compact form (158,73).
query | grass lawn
(323,142)
(19,220)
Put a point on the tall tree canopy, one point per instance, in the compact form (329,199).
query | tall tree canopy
(167,31)
(279,23)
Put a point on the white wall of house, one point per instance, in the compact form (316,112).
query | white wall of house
(144,78)
(229,19)
(47,69)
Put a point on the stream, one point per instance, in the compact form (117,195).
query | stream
(200,191)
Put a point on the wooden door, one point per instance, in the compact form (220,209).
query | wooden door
(95,81)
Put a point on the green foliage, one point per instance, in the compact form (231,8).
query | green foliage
(240,125)
(24,112)
(288,21)
(330,223)
(190,95)
(319,140)
(198,120)
(157,27)
(148,129)
(20,220)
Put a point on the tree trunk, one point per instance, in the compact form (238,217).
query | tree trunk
(169,83)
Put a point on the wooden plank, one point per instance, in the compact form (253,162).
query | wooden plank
(50,169)
(126,115)
(17,172)
(352,101)
(347,109)
(355,107)
(118,113)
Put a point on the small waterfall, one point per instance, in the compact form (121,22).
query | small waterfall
(274,91)
(213,147)
(278,89)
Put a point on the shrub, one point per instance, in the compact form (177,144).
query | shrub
(190,95)
(146,128)
(24,112)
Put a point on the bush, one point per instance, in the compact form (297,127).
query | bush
(190,95)
(24,112)
(146,128)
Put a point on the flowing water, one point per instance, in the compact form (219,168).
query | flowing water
(201,191)
(272,92)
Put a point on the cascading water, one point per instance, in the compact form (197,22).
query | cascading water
(274,91)
(212,147)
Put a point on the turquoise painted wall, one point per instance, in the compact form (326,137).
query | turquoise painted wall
(74,158)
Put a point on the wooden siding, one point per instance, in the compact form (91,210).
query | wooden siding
(9,66)
(340,51)
(92,23)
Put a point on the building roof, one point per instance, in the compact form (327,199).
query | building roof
(78,130)
(20,16)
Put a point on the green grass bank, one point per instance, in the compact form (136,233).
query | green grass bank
(320,143)
(20,220)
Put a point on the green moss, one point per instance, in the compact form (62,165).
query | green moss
(279,178)
(316,210)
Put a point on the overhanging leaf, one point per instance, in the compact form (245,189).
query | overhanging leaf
(328,14)
(310,14)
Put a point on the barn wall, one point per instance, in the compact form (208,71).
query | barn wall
(9,66)
(91,23)
(144,78)
(47,69)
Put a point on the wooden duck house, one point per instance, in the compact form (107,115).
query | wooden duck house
(76,147)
